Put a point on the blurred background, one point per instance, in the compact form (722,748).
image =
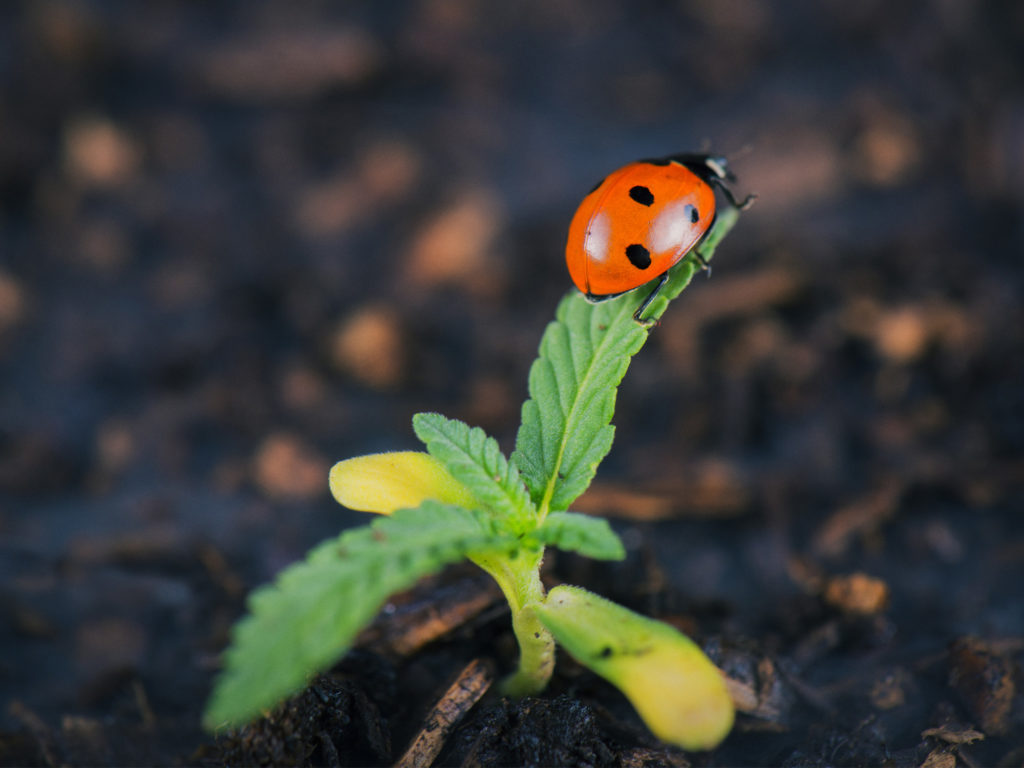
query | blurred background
(242,240)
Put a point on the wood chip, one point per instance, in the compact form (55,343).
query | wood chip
(952,735)
(984,679)
(465,692)
(890,691)
(939,758)
(857,594)
(765,701)
(743,695)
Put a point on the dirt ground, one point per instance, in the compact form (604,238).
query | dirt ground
(242,240)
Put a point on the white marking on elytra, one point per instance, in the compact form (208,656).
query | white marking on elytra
(671,227)
(595,242)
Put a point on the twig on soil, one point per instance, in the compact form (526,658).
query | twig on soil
(142,704)
(39,730)
(464,693)
(862,517)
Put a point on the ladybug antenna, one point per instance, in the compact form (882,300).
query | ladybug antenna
(743,151)
(721,177)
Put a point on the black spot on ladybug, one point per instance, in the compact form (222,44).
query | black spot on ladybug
(594,188)
(693,213)
(641,195)
(638,256)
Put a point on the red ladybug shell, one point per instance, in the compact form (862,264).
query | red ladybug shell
(636,224)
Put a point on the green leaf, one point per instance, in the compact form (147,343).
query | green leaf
(584,354)
(476,461)
(590,536)
(566,429)
(306,620)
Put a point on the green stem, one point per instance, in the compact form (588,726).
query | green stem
(519,579)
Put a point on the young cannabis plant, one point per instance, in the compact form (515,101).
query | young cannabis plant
(463,499)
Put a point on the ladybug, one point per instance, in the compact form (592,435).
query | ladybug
(641,220)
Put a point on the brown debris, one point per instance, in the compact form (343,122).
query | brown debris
(952,735)
(710,488)
(902,334)
(453,247)
(384,174)
(857,593)
(142,704)
(471,684)
(887,149)
(220,572)
(368,346)
(864,517)
(41,733)
(611,500)
(743,695)
(983,676)
(289,64)
(99,153)
(757,689)
(12,301)
(939,757)
(890,690)
(286,468)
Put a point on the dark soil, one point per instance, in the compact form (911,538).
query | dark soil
(242,240)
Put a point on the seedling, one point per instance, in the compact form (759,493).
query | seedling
(464,500)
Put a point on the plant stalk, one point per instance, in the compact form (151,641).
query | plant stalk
(519,579)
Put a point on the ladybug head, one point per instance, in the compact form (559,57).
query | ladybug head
(718,166)
(714,169)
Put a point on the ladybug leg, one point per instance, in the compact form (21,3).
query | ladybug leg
(703,262)
(747,201)
(646,302)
